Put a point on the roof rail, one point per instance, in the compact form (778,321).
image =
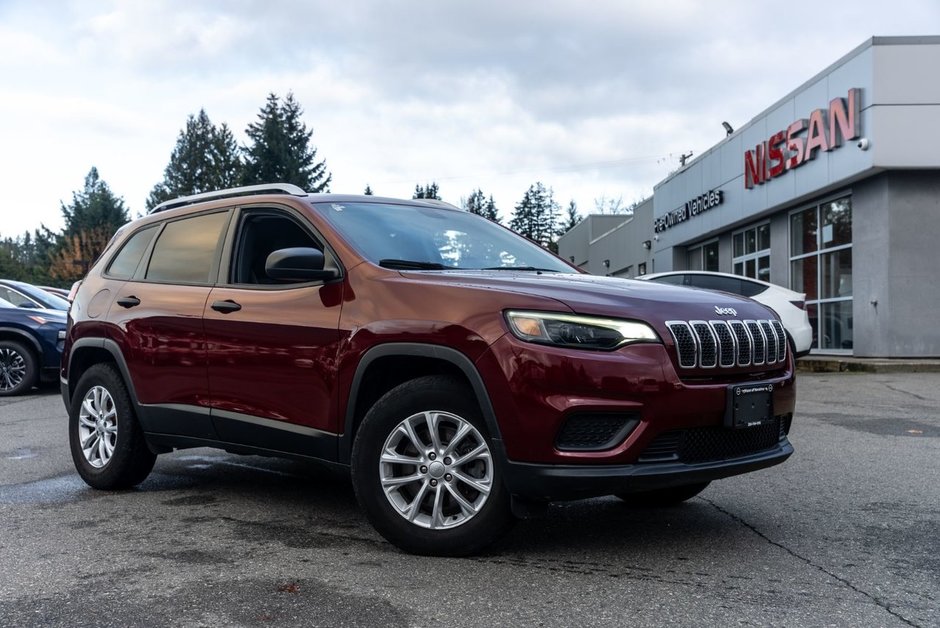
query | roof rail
(264,188)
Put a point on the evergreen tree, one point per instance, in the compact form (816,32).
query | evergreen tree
(430,190)
(91,219)
(280,150)
(536,216)
(571,220)
(477,203)
(368,191)
(205,158)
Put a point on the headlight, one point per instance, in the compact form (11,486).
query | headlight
(581,332)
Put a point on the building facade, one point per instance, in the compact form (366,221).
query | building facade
(833,191)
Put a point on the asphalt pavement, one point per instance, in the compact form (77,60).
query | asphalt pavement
(845,533)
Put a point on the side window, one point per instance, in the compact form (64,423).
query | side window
(710,282)
(262,233)
(675,280)
(750,289)
(16,298)
(186,249)
(124,264)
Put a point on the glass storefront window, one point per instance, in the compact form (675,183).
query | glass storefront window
(803,276)
(803,232)
(710,253)
(821,267)
(835,325)
(837,274)
(837,223)
(751,249)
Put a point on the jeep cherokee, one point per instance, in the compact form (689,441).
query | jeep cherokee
(463,375)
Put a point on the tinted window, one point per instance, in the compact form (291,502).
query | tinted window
(260,235)
(126,261)
(675,280)
(711,282)
(750,289)
(186,249)
(15,298)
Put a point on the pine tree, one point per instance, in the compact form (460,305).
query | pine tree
(280,150)
(571,220)
(91,219)
(475,203)
(368,191)
(536,216)
(430,190)
(489,210)
(205,158)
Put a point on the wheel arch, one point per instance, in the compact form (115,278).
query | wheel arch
(386,366)
(12,333)
(86,352)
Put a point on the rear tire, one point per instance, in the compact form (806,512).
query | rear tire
(19,368)
(425,472)
(671,496)
(108,446)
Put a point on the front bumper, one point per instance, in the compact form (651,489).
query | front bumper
(547,482)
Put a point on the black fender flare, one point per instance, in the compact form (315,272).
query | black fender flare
(111,347)
(438,352)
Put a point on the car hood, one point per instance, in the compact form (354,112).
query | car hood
(611,296)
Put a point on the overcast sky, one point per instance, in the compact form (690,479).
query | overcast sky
(592,98)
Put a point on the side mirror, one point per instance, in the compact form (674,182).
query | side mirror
(297,264)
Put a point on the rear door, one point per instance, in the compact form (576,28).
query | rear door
(157,319)
(272,346)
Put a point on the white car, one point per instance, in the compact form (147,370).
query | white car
(788,305)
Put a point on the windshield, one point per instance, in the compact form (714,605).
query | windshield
(411,237)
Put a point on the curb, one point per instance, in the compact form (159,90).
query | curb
(818,364)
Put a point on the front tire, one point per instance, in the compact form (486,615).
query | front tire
(425,473)
(19,368)
(108,446)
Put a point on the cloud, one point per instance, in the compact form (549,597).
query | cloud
(592,99)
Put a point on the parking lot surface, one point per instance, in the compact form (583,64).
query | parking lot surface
(845,533)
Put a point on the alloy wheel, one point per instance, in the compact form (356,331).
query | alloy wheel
(12,369)
(97,426)
(436,470)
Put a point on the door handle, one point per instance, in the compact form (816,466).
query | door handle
(128,302)
(226,307)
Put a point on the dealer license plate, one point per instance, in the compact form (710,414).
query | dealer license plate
(749,405)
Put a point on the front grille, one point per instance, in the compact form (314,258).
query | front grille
(709,444)
(727,344)
(595,431)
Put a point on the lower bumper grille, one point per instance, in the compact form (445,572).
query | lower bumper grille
(595,431)
(709,444)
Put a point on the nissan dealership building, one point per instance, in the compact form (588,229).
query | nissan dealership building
(833,191)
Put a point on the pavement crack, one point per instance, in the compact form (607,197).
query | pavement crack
(905,392)
(877,601)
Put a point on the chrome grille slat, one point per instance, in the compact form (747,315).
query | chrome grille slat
(781,340)
(728,344)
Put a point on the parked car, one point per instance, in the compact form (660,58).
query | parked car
(62,293)
(789,305)
(31,342)
(461,374)
(22,294)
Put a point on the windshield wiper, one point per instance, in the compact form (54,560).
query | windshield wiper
(532,268)
(407,264)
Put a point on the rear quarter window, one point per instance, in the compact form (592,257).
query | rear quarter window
(125,263)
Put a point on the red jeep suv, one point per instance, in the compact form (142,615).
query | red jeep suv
(463,375)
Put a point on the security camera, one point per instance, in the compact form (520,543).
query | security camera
(863,143)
